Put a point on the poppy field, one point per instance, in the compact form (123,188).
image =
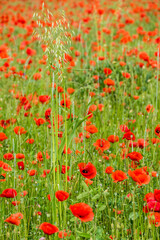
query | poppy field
(79,120)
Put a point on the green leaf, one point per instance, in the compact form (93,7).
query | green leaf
(133,215)
(83,195)
(71,135)
(102,207)
(90,230)
(85,186)
(72,237)
(99,233)
(106,193)
(85,235)
(72,219)
(96,197)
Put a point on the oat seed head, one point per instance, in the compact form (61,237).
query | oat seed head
(54,31)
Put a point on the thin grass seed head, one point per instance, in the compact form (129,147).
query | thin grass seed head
(55,34)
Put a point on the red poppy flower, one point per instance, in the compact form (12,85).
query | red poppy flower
(155,140)
(107,71)
(39,156)
(20,156)
(157,195)
(49,197)
(63,170)
(82,211)
(70,116)
(91,129)
(100,11)
(92,94)
(45,172)
(32,172)
(68,58)
(44,98)
(15,219)
(126,75)
(102,145)
(70,90)
(48,228)
(142,143)
(100,107)
(133,144)
(139,176)
(154,218)
(87,170)
(105,157)
(92,108)
(68,150)
(89,114)
(30,51)
(30,141)
(88,181)
(144,56)
(39,213)
(39,121)
(149,108)
(47,113)
(62,195)
(149,197)
(109,170)
(15,203)
(129,136)
(154,174)
(3,136)
(65,103)
(119,176)
(9,193)
(157,130)
(113,138)
(20,165)
(1,163)
(61,90)
(122,63)
(24,193)
(63,234)
(124,128)
(8,156)
(6,167)
(5,123)
(19,130)
(37,76)
(109,82)
(134,156)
